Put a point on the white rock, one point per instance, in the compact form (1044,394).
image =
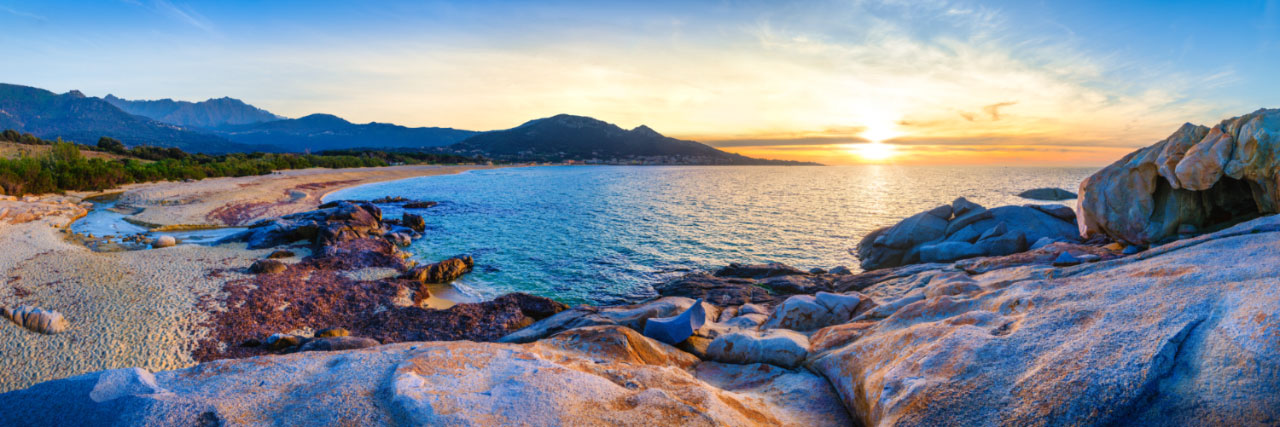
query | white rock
(774,346)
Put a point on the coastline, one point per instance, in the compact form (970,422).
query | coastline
(143,308)
(223,202)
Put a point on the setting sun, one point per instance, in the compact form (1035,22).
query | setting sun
(873,151)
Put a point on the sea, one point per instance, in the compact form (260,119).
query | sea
(608,234)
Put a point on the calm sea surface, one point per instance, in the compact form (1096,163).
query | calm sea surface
(606,234)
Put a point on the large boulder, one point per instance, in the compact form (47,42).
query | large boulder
(1199,176)
(632,316)
(809,312)
(1182,334)
(333,222)
(976,231)
(781,347)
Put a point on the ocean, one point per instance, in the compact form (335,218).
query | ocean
(607,234)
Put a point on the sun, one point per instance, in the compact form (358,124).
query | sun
(874,151)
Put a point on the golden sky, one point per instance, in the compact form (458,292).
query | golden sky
(935,81)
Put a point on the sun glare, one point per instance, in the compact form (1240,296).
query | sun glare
(874,151)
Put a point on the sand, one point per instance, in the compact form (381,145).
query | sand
(139,308)
(242,200)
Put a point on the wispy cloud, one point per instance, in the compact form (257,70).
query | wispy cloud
(178,12)
(22,14)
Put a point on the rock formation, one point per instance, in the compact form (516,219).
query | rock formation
(1203,177)
(1050,194)
(962,230)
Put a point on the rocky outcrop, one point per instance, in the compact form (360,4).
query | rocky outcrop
(590,376)
(1050,194)
(444,271)
(334,222)
(1175,335)
(962,230)
(1203,177)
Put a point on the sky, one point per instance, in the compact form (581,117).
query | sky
(839,82)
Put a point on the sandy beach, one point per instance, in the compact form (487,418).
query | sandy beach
(139,308)
(242,200)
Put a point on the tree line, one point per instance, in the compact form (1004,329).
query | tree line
(65,168)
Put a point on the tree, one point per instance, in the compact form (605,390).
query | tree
(111,145)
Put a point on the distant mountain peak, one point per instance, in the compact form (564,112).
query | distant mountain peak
(569,137)
(76,94)
(322,119)
(646,131)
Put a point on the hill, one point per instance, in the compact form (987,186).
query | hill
(567,137)
(318,132)
(203,114)
(76,117)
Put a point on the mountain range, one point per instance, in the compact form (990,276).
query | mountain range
(204,114)
(230,125)
(76,117)
(568,137)
(328,132)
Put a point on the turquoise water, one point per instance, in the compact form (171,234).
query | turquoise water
(606,234)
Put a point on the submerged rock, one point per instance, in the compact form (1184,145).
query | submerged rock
(759,271)
(1052,194)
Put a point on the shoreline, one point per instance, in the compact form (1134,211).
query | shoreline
(140,308)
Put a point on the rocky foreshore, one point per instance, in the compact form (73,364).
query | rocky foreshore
(1168,319)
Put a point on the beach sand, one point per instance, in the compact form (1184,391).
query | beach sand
(243,200)
(139,308)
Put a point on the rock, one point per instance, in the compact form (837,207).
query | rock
(419,205)
(722,291)
(758,271)
(1130,250)
(1003,244)
(389,200)
(414,222)
(837,336)
(1047,194)
(1065,259)
(332,332)
(164,241)
(1187,229)
(806,313)
(278,341)
(1206,177)
(779,347)
(593,376)
(1089,258)
(399,239)
(817,270)
(338,343)
(1059,211)
(961,207)
(444,271)
(332,223)
(1044,241)
(673,330)
(840,270)
(752,309)
(1155,339)
(267,266)
(747,321)
(281,254)
(949,251)
(996,232)
(695,345)
(36,320)
(632,316)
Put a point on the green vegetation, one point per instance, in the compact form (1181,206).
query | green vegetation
(65,168)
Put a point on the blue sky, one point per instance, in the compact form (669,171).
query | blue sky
(1077,81)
